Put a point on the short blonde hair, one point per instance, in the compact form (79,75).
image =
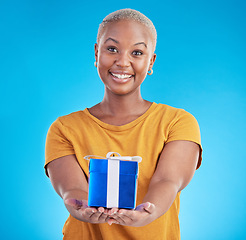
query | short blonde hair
(128,14)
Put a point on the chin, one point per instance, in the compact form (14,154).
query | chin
(122,91)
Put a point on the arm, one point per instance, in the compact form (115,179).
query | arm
(71,185)
(175,169)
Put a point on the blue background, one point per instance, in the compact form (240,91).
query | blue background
(47,70)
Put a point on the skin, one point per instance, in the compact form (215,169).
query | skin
(125,48)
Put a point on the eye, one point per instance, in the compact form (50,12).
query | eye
(137,53)
(112,49)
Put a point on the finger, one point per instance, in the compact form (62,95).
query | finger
(104,214)
(102,218)
(123,213)
(106,211)
(88,212)
(95,217)
(112,221)
(107,218)
(112,211)
(140,207)
(101,210)
(123,217)
(149,207)
(75,203)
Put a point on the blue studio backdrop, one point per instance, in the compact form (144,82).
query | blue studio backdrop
(47,70)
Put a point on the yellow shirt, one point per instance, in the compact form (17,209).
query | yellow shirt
(82,134)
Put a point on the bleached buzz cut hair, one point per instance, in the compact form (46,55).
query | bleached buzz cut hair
(128,14)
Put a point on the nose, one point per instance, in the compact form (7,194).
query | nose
(123,60)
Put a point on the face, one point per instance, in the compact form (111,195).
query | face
(124,55)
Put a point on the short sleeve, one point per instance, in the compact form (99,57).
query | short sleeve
(57,142)
(185,127)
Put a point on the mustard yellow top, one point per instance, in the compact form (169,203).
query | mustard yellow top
(82,134)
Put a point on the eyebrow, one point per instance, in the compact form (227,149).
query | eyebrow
(108,39)
(141,43)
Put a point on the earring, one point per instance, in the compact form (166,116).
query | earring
(95,64)
(150,72)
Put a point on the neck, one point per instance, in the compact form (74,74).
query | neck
(117,105)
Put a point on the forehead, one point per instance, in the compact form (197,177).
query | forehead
(127,30)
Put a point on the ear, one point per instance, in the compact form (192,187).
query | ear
(152,61)
(96,51)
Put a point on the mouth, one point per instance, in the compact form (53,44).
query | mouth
(121,77)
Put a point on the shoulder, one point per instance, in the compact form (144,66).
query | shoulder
(171,113)
(70,120)
(71,116)
(174,118)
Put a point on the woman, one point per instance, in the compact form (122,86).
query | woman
(167,139)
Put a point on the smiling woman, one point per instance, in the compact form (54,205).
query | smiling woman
(167,139)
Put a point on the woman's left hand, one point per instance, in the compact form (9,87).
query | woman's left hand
(140,216)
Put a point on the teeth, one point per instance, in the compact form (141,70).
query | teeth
(121,76)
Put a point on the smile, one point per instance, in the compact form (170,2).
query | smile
(121,76)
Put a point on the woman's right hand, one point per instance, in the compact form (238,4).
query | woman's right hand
(81,211)
(72,188)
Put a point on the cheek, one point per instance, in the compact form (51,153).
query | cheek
(105,60)
(142,66)
(104,64)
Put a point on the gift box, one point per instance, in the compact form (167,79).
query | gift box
(113,181)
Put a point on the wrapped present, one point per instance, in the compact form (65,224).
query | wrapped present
(113,181)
